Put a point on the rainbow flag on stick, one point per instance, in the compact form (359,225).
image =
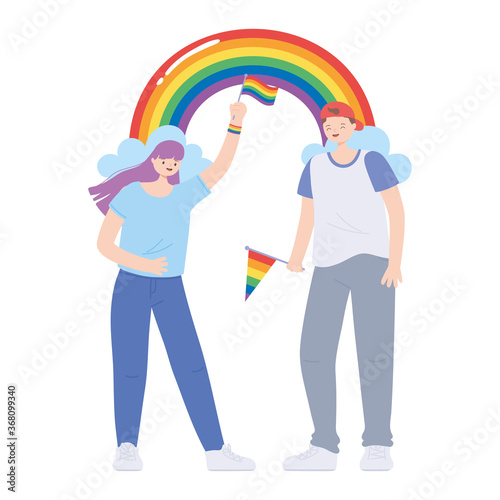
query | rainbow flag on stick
(254,87)
(258,265)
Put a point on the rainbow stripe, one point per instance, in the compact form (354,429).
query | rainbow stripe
(265,94)
(234,129)
(186,80)
(258,265)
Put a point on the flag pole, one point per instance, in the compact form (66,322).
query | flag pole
(241,90)
(270,256)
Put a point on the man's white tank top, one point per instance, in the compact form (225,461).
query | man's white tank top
(349,215)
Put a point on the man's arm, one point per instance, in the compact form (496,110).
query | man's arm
(394,205)
(214,173)
(304,231)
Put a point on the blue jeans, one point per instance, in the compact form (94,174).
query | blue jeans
(134,297)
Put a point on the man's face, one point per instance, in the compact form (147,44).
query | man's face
(338,128)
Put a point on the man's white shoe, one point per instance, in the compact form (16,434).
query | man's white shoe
(376,458)
(127,458)
(225,459)
(315,458)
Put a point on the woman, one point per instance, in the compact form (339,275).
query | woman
(153,212)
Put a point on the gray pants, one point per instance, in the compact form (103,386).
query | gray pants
(373,311)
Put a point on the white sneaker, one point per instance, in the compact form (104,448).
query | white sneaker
(225,459)
(315,458)
(127,458)
(376,458)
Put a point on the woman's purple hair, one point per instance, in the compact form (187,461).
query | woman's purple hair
(104,192)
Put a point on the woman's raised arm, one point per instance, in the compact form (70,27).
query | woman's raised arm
(219,167)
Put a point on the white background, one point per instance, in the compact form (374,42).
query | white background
(418,66)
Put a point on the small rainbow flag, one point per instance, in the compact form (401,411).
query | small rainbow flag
(265,94)
(258,265)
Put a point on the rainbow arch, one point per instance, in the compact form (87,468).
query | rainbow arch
(309,72)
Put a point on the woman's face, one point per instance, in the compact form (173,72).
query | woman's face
(166,166)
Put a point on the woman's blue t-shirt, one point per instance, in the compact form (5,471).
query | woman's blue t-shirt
(156,227)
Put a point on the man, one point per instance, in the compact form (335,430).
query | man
(344,198)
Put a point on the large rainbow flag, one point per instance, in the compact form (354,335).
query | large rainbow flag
(258,265)
(265,94)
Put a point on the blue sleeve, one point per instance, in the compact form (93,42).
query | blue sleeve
(121,202)
(379,171)
(304,188)
(192,191)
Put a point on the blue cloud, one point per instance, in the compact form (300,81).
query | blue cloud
(372,139)
(131,152)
